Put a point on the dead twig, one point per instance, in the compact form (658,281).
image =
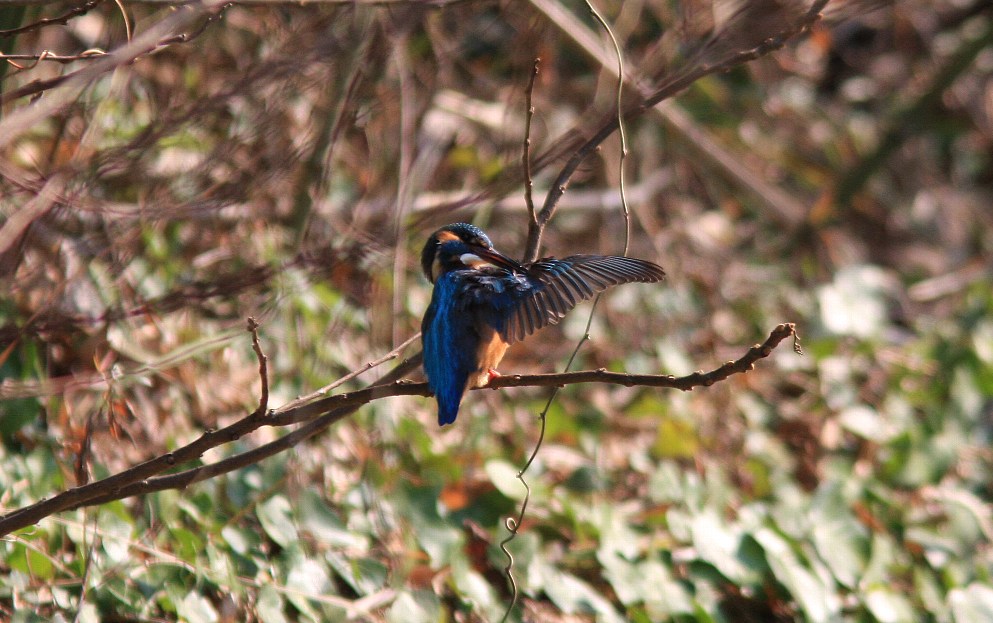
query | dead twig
(526,157)
(82,9)
(253,328)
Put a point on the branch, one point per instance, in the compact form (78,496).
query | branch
(667,89)
(526,156)
(127,55)
(320,414)
(64,59)
(61,19)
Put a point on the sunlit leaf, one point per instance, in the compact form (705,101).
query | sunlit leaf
(194,608)
(414,607)
(275,515)
(269,606)
(841,541)
(306,580)
(364,575)
(720,545)
(855,302)
(866,422)
(574,596)
(503,475)
(973,603)
(889,607)
(316,517)
(647,582)
(817,600)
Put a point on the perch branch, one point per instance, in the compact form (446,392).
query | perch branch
(322,413)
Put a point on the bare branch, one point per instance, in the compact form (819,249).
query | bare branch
(61,19)
(65,59)
(526,157)
(253,328)
(321,414)
(668,88)
(131,52)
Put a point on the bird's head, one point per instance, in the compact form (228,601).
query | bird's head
(458,246)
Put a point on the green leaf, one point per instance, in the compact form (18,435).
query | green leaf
(719,544)
(676,439)
(574,596)
(316,517)
(818,601)
(364,575)
(194,608)
(187,544)
(503,475)
(275,516)
(889,607)
(973,603)
(306,579)
(415,607)
(270,605)
(842,542)
(436,536)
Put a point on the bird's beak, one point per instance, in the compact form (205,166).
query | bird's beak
(481,257)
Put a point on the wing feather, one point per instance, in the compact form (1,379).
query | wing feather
(553,287)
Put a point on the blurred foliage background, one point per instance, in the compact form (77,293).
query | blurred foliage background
(287,161)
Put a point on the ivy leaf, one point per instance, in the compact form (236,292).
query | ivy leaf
(269,606)
(275,516)
(973,603)
(195,608)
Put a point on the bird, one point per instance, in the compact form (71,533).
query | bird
(483,301)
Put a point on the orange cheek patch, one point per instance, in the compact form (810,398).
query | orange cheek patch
(446,236)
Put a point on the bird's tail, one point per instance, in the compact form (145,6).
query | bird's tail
(448,407)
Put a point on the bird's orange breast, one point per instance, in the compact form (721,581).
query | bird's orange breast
(490,352)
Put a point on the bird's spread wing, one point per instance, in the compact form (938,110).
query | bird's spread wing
(551,287)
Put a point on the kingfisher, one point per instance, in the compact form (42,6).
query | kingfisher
(483,301)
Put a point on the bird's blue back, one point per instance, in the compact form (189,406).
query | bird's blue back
(450,342)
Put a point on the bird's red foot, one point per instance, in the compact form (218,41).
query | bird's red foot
(491,374)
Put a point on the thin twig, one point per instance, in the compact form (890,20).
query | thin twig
(621,131)
(393,354)
(526,157)
(47,21)
(253,328)
(124,16)
(45,55)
